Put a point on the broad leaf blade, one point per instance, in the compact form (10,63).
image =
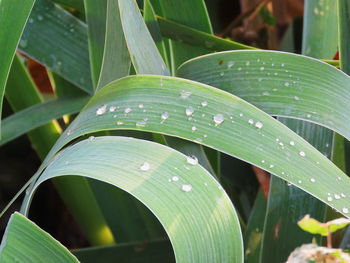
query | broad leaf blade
(271,80)
(11,28)
(227,123)
(194,210)
(58,40)
(145,58)
(23,242)
(40,114)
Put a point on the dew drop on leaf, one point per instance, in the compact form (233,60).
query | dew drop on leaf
(127,110)
(175,178)
(189,111)
(185,94)
(218,119)
(259,125)
(112,109)
(192,160)
(145,167)
(186,188)
(204,103)
(101,110)
(302,154)
(345,210)
(164,116)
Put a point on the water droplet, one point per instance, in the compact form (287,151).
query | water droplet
(189,111)
(141,124)
(186,187)
(259,125)
(241,115)
(145,166)
(120,122)
(312,180)
(218,119)
(262,68)
(247,63)
(194,128)
(329,198)
(292,143)
(192,160)
(101,110)
(185,94)
(30,20)
(164,116)
(299,181)
(250,121)
(296,98)
(239,69)
(40,18)
(266,93)
(336,196)
(230,64)
(175,178)
(141,106)
(222,73)
(112,109)
(343,195)
(302,154)
(263,161)
(345,210)
(23,43)
(69,132)
(286,84)
(127,110)
(271,166)
(308,115)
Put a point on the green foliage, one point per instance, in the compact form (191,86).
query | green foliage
(155,77)
(313,226)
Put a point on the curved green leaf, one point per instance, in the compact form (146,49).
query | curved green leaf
(282,84)
(26,242)
(195,211)
(220,120)
(145,58)
(58,40)
(11,28)
(39,114)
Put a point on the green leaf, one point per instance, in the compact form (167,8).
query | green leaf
(116,60)
(95,13)
(76,4)
(181,52)
(254,234)
(154,251)
(26,242)
(194,37)
(344,35)
(320,18)
(154,29)
(145,58)
(227,123)
(313,226)
(11,28)
(58,40)
(282,84)
(38,115)
(194,210)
